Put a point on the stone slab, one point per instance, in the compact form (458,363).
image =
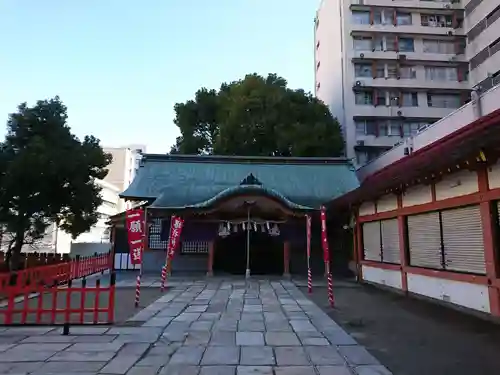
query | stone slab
(257,355)
(221,355)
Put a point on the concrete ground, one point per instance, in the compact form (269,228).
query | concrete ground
(206,327)
(412,336)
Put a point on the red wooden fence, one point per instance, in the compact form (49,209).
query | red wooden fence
(35,259)
(50,294)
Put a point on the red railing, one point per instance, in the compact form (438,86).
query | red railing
(47,294)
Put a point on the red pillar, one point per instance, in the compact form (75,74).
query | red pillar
(286,258)
(490,256)
(211,250)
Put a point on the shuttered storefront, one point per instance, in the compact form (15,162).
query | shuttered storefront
(390,241)
(463,240)
(424,238)
(371,241)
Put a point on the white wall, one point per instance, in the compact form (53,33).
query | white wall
(330,73)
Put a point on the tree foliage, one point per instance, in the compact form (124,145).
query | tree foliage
(257,116)
(47,175)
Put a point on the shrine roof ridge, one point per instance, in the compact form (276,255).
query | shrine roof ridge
(246,159)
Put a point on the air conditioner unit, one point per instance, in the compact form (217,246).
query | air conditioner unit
(361,55)
(453,58)
(400,113)
(360,143)
(447,6)
(450,33)
(402,57)
(359,83)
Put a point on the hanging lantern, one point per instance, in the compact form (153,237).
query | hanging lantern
(268,226)
(255,226)
(275,231)
(243,225)
(223,231)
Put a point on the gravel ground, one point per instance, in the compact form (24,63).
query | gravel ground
(411,336)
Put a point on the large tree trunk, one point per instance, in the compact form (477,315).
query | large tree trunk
(14,254)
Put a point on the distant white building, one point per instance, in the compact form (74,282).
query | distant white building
(123,168)
(57,240)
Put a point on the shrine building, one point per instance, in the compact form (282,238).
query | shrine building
(242,214)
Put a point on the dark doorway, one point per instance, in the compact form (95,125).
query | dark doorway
(266,254)
(230,254)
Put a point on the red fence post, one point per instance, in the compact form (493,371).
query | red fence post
(111,301)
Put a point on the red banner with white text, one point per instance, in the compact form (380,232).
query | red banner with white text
(324,236)
(134,219)
(308,226)
(176,225)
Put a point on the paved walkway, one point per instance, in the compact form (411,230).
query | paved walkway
(199,328)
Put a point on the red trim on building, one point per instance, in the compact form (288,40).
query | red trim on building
(432,157)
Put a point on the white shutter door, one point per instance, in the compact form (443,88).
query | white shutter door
(390,241)
(424,237)
(371,240)
(463,240)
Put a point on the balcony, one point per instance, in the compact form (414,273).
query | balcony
(416,84)
(360,56)
(423,111)
(407,30)
(410,4)
(463,116)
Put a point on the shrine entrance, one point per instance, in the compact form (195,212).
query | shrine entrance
(265,255)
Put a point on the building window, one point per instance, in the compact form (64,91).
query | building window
(409,99)
(383,17)
(380,71)
(380,98)
(154,235)
(362,43)
(407,72)
(438,46)
(360,17)
(363,98)
(443,100)
(366,127)
(392,71)
(441,73)
(406,45)
(363,70)
(391,43)
(435,20)
(194,247)
(403,18)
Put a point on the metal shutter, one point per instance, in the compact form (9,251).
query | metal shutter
(371,241)
(424,238)
(463,240)
(390,241)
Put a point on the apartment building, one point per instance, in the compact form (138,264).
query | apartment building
(388,68)
(122,170)
(483,42)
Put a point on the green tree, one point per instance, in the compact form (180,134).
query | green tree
(47,175)
(257,116)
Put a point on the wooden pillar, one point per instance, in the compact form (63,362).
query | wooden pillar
(359,246)
(286,259)
(211,250)
(490,255)
(402,246)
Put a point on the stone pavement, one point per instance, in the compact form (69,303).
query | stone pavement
(205,327)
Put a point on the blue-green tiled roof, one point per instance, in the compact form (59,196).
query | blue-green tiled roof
(176,181)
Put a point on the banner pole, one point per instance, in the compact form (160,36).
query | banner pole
(165,266)
(308,234)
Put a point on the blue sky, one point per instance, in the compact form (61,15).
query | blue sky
(121,65)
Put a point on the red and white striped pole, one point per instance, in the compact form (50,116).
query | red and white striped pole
(326,256)
(309,273)
(137,290)
(163,277)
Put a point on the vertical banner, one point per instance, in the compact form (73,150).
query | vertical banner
(175,233)
(134,219)
(326,255)
(309,274)
(324,237)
